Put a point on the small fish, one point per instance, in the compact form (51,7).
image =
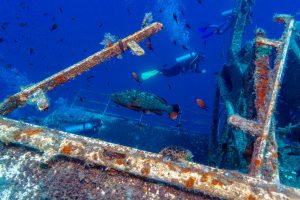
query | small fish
(100,25)
(188,26)
(175,18)
(22,24)
(54,27)
(1,40)
(73,18)
(61,39)
(160,10)
(81,99)
(8,65)
(149,45)
(178,125)
(199,1)
(61,10)
(128,11)
(201,104)
(31,51)
(135,76)
(174,42)
(90,77)
(184,47)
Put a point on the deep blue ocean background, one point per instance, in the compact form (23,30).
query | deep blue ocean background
(81,27)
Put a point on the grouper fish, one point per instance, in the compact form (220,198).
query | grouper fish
(145,102)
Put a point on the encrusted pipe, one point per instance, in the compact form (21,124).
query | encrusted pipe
(20,99)
(260,144)
(195,177)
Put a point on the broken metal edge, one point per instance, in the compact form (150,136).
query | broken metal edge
(190,176)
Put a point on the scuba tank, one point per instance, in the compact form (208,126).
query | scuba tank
(185,58)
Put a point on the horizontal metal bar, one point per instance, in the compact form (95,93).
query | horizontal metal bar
(196,177)
(248,126)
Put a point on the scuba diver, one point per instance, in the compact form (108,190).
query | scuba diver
(189,62)
(218,29)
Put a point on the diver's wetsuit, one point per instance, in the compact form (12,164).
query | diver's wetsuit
(180,68)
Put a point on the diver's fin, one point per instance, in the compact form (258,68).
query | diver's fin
(149,74)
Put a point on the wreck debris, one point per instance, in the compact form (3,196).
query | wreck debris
(20,99)
(135,48)
(196,177)
(267,85)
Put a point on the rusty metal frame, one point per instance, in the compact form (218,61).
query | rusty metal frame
(190,176)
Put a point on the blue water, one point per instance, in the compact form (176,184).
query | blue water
(81,26)
(78,29)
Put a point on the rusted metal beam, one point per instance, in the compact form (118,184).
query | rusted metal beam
(260,144)
(248,126)
(267,85)
(194,177)
(20,99)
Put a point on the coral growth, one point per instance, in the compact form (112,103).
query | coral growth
(108,40)
(148,18)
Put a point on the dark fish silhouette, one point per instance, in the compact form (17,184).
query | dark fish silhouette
(149,45)
(54,27)
(175,18)
(100,25)
(188,26)
(1,40)
(22,24)
(199,1)
(145,102)
(174,42)
(184,47)
(31,51)
(61,10)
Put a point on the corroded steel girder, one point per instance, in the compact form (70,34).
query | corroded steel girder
(20,99)
(195,177)
(267,85)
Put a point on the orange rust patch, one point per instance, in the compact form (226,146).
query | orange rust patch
(171,166)
(112,172)
(186,170)
(32,131)
(95,156)
(258,163)
(216,182)
(68,149)
(204,177)
(60,80)
(145,171)
(274,166)
(17,135)
(275,155)
(266,137)
(190,182)
(250,197)
(120,161)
